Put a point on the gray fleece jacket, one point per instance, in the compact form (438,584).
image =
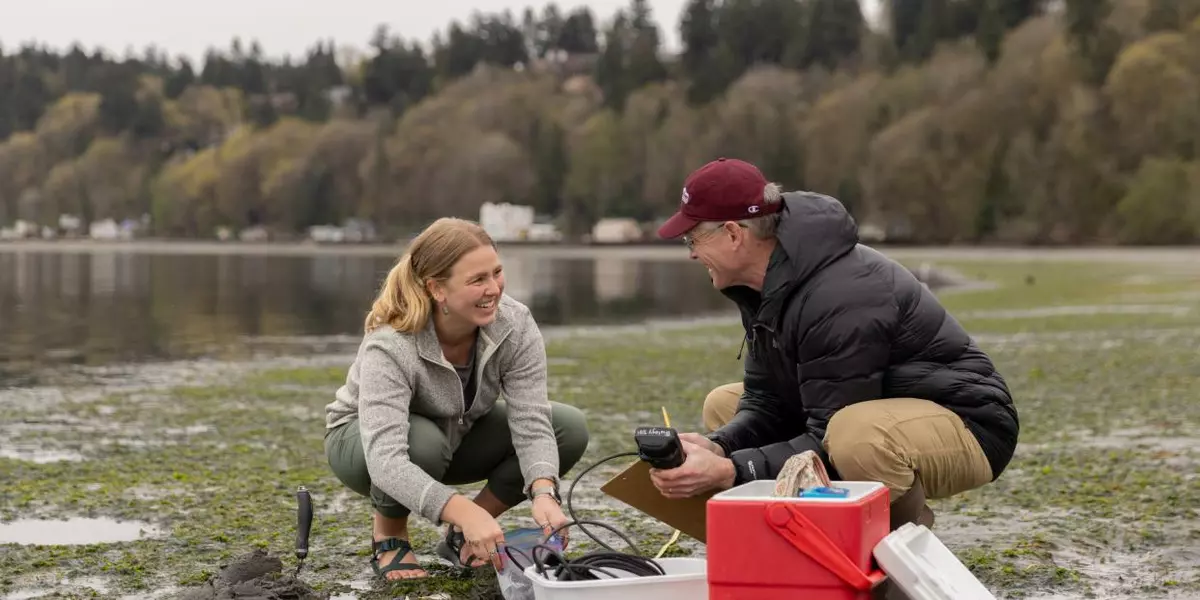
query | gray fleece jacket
(397,374)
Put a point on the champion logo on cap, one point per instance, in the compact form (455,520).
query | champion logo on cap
(685,197)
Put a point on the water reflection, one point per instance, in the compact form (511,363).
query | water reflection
(100,307)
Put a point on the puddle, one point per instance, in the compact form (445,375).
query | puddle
(39,456)
(74,531)
(43,587)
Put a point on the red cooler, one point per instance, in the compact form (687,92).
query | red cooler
(765,548)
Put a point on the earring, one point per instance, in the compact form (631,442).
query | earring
(445,309)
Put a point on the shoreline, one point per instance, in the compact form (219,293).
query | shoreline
(640,250)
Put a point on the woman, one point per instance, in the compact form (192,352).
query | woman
(420,412)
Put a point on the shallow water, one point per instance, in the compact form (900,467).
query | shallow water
(105,307)
(74,531)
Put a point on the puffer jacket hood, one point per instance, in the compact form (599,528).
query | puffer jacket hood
(814,230)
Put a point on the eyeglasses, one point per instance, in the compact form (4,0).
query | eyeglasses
(689,239)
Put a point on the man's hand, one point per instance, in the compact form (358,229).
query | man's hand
(703,442)
(700,472)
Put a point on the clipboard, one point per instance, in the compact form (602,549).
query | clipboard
(633,487)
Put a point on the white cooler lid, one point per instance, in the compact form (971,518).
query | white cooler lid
(919,563)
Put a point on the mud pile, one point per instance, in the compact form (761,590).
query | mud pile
(257,576)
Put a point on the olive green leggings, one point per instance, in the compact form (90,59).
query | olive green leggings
(486,452)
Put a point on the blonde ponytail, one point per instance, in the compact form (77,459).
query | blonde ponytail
(404,302)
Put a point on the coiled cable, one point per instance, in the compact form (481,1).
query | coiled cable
(554,565)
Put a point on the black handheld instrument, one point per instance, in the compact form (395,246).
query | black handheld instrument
(304,516)
(659,446)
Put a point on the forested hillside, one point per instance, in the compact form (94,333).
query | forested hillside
(1025,121)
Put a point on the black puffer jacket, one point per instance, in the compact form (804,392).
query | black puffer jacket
(839,323)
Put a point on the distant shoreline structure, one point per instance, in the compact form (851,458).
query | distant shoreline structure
(655,248)
(641,250)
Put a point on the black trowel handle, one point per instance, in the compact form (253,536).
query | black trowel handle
(304,516)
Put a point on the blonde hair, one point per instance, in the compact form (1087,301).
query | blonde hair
(404,301)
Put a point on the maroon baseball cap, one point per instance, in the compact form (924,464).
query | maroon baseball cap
(725,189)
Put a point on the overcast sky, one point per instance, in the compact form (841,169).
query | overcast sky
(280,26)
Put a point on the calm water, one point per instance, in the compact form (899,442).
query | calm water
(109,307)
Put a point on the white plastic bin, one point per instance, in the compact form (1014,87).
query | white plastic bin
(921,565)
(686,579)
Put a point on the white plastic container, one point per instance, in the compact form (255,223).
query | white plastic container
(686,579)
(921,565)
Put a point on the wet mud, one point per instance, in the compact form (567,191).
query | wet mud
(253,576)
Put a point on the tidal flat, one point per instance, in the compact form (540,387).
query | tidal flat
(142,481)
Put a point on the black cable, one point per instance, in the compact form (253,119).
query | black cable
(571,508)
(586,566)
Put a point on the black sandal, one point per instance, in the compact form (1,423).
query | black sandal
(403,548)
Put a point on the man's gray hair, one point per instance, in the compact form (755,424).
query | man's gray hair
(764,227)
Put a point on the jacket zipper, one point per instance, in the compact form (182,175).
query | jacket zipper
(462,398)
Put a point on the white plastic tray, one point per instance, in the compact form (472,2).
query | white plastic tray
(921,565)
(686,579)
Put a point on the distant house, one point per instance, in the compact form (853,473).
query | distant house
(506,222)
(615,231)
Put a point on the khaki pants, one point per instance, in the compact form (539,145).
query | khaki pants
(894,441)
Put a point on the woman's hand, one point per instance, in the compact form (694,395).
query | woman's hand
(483,538)
(548,514)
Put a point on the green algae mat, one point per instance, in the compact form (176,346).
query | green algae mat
(144,482)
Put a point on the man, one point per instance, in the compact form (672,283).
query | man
(846,354)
